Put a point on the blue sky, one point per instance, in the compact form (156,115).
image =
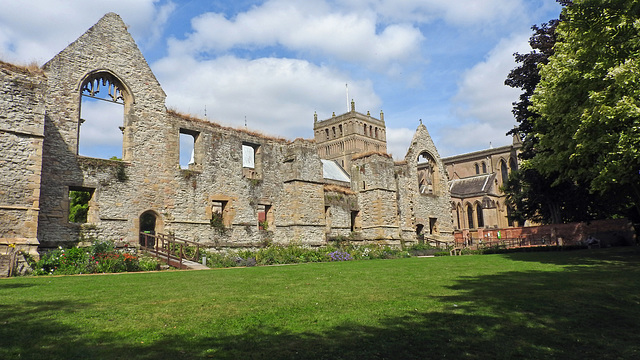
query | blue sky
(277,62)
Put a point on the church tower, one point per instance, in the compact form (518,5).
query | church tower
(341,137)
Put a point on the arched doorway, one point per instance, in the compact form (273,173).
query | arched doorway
(148,226)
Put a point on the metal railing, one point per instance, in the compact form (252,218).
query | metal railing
(170,249)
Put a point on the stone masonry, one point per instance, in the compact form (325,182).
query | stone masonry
(280,196)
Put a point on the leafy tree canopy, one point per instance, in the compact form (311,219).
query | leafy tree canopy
(578,115)
(588,98)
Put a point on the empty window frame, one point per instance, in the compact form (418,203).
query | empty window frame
(251,161)
(426,173)
(189,154)
(101,123)
(79,204)
(265,217)
(218,214)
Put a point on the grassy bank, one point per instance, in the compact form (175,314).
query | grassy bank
(565,305)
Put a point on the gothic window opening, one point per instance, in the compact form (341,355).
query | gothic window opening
(504,171)
(470,216)
(426,173)
(484,167)
(458,211)
(101,125)
(477,169)
(479,215)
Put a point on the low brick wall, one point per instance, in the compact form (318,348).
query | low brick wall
(616,232)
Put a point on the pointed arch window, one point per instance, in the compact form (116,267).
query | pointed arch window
(102,126)
(427,170)
(504,171)
(470,216)
(479,215)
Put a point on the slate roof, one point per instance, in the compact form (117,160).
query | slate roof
(331,170)
(472,186)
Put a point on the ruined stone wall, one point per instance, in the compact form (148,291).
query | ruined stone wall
(217,201)
(106,47)
(21,138)
(373,178)
(424,208)
(339,207)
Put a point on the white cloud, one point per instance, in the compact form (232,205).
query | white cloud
(100,131)
(278,96)
(471,136)
(310,29)
(463,13)
(36,30)
(398,141)
(483,102)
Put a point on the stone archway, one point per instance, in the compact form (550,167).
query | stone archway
(148,223)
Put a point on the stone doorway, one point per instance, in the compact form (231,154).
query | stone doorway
(147,226)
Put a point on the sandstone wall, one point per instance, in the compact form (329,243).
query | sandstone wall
(21,139)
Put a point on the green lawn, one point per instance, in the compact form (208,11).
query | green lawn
(557,305)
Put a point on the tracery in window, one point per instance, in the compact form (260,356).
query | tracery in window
(101,124)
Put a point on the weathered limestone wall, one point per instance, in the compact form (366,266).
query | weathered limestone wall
(21,138)
(339,206)
(106,47)
(373,177)
(419,209)
(218,201)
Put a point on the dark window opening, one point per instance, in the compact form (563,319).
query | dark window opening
(484,168)
(147,229)
(420,232)
(504,171)
(354,219)
(470,216)
(433,226)
(479,215)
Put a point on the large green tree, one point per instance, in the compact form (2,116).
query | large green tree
(588,97)
(532,195)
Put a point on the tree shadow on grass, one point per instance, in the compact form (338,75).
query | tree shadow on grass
(582,312)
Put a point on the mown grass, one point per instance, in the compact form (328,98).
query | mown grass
(558,305)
